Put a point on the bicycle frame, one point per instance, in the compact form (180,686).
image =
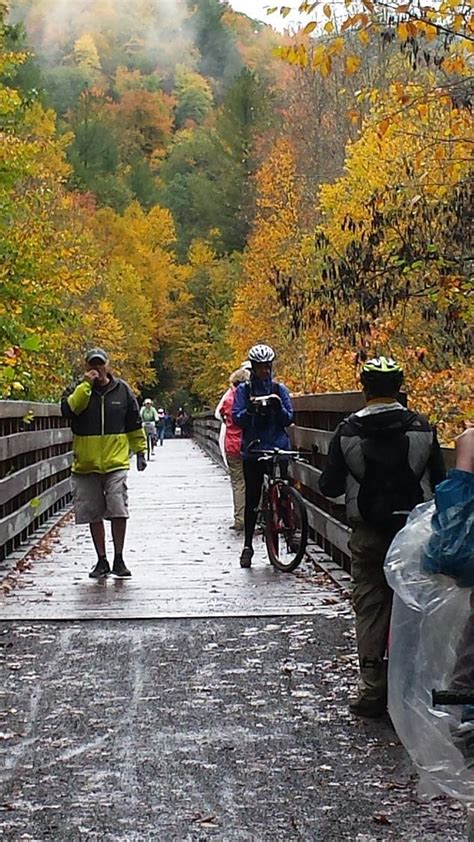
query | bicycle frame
(272,477)
(275,459)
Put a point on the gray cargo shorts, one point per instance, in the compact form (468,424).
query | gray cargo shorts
(98,496)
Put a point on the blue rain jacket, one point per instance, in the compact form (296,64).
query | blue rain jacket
(450,549)
(262,429)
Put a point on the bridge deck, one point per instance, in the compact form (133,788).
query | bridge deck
(179,547)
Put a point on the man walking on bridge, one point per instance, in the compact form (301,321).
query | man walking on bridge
(106,426)
(386,459)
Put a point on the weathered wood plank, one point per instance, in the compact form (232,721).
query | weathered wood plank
(14,524)
(336,533)
(345,402)
(18,409)
(306,474)
(13,485)
(18,443)
(306,438)
(309,477)
(329,402)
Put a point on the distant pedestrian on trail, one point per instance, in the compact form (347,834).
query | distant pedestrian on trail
(182,420)
(264,426)
(170,425)
(232,445)
(386,459)
(149,416)
(160,426)
(106,426)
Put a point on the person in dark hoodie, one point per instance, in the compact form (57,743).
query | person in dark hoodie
(264,428)
(386,459)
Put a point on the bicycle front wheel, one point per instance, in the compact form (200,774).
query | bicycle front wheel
(286,527)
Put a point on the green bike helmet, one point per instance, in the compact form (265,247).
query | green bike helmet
(381,375)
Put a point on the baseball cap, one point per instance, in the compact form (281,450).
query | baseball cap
(97,354)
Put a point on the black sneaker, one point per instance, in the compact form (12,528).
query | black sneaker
(120,570)
(100,570)
(246,557)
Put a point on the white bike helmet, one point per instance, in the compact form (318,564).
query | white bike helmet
(261,354)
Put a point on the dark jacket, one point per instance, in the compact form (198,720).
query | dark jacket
(106,426)
(345,464)
(267,429)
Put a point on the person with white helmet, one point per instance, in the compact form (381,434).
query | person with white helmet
(264,428)
(149,417)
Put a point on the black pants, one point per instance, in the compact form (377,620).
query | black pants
(253,474)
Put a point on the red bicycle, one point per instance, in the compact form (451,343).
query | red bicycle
(282,516)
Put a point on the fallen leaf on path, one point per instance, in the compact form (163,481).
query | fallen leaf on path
(381,818)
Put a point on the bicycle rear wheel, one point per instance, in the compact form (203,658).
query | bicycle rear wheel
(149,446)
(286,527)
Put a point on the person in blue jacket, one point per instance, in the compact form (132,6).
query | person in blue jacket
(264,428)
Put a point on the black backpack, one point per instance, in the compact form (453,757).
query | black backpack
(389,489)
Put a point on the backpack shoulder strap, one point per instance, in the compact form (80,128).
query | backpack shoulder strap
(276,388)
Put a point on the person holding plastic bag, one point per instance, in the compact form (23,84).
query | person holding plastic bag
(430,566)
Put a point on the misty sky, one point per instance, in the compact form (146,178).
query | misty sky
(257,9)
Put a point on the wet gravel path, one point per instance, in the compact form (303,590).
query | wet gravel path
(206,729)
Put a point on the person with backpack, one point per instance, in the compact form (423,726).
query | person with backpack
(385,459)
(264,428)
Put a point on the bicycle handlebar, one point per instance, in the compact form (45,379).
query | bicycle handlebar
(453,697)
(266,455)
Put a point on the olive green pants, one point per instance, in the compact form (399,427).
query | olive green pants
(236,473)
(372,601)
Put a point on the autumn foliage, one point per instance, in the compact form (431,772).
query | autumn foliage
(176,188)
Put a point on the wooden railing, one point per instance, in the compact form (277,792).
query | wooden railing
(35,460)
(206,430)
(316,418)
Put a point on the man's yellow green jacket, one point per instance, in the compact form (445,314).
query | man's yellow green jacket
(106,426)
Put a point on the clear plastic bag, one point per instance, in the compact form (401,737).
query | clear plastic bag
(431,648)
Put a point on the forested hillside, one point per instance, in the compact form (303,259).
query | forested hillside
(178,181)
